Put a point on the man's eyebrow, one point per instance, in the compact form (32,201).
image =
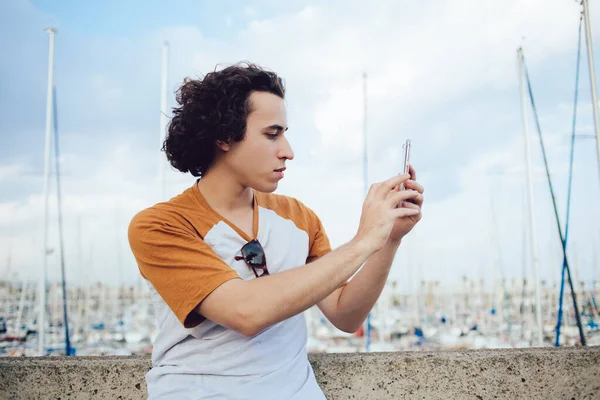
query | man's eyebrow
(276,127)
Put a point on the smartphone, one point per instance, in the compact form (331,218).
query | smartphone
(406,147)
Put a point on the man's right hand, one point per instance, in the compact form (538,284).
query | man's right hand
(379,212)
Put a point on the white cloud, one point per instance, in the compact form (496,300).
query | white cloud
(437,72)
(11,171)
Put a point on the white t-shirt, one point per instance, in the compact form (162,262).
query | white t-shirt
(185,250)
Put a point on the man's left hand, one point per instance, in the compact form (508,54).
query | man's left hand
(406,224)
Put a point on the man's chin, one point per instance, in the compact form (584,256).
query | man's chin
(266,188)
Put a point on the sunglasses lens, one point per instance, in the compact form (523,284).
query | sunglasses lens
(253,254)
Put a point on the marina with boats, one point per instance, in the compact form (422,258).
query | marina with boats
(105,320)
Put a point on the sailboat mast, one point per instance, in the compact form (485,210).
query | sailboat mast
(590,53)
(47,150)
(68,350)
(121,284)
(365,144)
(163,118)
(366,185)
(532,231)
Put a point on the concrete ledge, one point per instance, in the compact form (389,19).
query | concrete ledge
(544,373)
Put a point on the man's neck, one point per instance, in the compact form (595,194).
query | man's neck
(224,193)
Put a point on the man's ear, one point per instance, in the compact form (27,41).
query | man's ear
(224,146)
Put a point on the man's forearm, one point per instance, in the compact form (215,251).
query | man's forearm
(359,296)
(257,304)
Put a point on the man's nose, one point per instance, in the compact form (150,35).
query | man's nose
(286,150)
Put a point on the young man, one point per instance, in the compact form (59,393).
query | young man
(232,266)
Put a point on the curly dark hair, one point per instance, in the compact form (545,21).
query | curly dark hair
(214,108)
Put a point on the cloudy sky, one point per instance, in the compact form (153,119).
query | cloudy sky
(442,73)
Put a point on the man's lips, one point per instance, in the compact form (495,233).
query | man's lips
(279,172)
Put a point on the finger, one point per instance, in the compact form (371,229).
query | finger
(396,198)
(386,186)
(412,172)
(405,212)
(414,185)
(418,200)
(412,196)
(408,204)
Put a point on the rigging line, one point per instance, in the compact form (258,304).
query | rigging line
(545,158)
(564,266)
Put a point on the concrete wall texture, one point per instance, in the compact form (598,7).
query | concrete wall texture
(539,373)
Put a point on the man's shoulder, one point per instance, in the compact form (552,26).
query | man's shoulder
(173,210)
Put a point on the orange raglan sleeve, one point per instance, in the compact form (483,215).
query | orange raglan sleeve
(180,265)
(318,240)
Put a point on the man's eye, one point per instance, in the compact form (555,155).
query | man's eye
(272,136)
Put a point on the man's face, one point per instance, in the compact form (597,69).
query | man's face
(258,160)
